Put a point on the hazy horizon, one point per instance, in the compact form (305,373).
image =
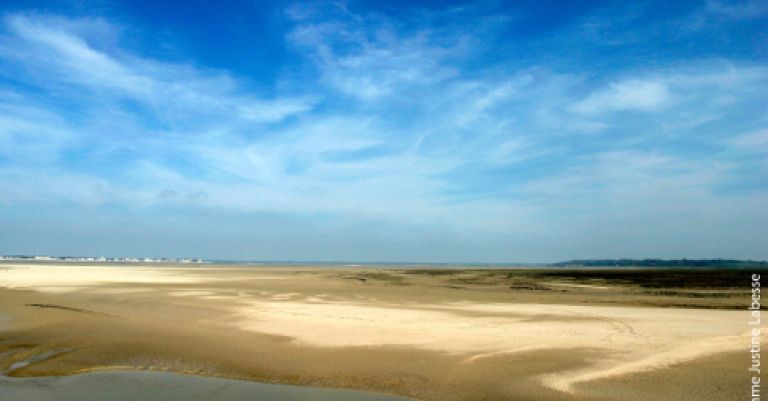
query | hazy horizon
(427,132)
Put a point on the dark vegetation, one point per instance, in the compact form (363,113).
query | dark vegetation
(660,278)
(649,278)
(731,263)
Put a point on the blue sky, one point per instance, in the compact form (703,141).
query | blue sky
(384,131)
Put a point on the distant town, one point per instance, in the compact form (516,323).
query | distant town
(102,259)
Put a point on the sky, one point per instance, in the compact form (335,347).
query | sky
(436,131)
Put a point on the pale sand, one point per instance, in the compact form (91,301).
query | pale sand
(62,278)
(645,360)
(71,277)
(467,335)
(636,339)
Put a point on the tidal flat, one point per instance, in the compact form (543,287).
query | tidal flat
(426,334)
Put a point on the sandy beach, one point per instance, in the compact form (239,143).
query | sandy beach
(449,334)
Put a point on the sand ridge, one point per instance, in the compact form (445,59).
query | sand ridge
(633,340)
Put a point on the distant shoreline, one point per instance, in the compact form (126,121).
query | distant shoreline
(624,262)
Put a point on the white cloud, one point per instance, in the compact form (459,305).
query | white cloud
(173,92)
(630,95)
(737,10)
(30,134)
(366,59)
(753,141)
(275,111)
(72,57)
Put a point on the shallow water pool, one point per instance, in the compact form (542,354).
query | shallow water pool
(161,386)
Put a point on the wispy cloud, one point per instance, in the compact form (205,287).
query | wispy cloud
(412,130)
(737,10)
(632,95)
(367,58)
(753,141)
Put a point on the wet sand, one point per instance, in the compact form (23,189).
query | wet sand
(427,334)
(159,386)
